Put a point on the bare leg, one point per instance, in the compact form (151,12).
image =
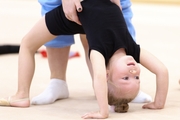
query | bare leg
(35,38)
(57,88)
(58,58)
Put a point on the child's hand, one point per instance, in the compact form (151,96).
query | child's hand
(152,105)
(70,8)
(94,115)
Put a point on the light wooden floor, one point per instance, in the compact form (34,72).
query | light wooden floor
(157,29)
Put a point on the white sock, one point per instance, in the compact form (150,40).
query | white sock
(57,89)
(111,108)
(142,98)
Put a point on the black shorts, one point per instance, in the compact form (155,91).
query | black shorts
(103,23)
(96,15)
(58,24)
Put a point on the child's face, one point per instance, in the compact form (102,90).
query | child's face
(125,74)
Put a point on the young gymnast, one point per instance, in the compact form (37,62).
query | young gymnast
(61,44)
(111,47)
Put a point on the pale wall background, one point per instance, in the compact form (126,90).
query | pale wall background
(159,1)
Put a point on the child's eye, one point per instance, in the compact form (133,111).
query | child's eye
(136,77)
(125,78)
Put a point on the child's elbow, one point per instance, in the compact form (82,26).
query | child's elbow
(163,71)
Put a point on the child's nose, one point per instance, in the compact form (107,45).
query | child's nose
(132,71)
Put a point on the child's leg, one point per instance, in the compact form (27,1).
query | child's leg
(35,38)
(57,88)
(58,51)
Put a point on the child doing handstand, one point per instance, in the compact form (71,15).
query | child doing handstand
(111,47)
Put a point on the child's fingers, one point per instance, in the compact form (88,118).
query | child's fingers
(93,115)
(78,6)
(87,116)
(149,106)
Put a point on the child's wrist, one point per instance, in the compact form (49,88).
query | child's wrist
(159,104)
(104,113)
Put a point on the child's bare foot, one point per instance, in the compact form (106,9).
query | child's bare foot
(25,102)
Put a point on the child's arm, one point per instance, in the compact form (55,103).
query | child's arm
(100,86)
(158,68)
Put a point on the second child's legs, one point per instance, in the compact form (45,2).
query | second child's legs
(57,88)
(58,52)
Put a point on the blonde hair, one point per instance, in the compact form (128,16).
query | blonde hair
(120,104)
